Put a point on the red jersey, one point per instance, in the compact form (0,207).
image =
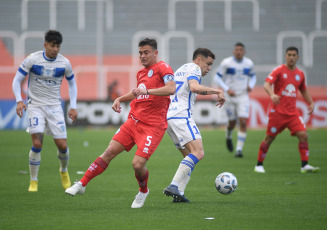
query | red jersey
(151,109)
(286,84)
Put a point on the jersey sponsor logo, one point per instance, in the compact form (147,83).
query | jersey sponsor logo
(289,91)
(142,86)
(297,77)
(150,73)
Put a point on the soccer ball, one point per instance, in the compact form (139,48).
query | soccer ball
(226,183)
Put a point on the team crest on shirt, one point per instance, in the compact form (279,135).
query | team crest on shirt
(285,75)
(150,73)
(297,77)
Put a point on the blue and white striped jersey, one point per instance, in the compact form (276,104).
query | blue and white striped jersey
(182,102)
(236,75)
(45,77)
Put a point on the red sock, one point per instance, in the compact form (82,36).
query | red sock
(96,168)
(262,151)
(304,151)
(143,181)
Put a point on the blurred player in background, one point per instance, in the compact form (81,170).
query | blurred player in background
(286,80)
(181,126)
(236,76)
(146,123)
(46,70)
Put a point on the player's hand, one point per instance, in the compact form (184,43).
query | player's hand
(139,91)
(220,100)
(20,108)
(275,99)
(249,89)
(116,106)
(72,114)
(311,108)
(231,93)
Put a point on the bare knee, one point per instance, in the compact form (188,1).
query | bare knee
(37,144)
(199,154)
(303,136)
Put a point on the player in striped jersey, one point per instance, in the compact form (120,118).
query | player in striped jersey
(236,76)
(181,126)
(46,70)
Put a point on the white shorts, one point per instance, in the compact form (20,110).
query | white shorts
(182,131)
(49,119)
(238,106)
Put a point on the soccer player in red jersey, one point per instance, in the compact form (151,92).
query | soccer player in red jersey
(146,123)
(286,80)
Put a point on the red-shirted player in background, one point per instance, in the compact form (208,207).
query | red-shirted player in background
(146,123)
(287,79)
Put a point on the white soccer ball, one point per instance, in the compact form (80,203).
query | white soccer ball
(226,183)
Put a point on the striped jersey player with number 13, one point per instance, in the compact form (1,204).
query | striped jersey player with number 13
(46,70)
(287,80)
(146,123)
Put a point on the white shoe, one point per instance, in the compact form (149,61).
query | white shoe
(77,188)
(140,199)
(259,169)
(309,168)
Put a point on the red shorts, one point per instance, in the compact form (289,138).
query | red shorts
(277,123)
(146,137)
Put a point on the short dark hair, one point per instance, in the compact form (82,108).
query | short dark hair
(150,42)
(239,44)
(53,36)
(204,52)
(292,48)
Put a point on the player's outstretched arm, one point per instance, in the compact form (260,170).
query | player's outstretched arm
(307,97)
(195,87)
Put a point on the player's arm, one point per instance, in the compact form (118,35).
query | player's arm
(195,87)
(72,114)
(252,81)
(307,97)
(127,97)
(21,107)
(168,89)
(273,96)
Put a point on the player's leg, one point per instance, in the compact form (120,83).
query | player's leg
(276,124)
(241,136)
(63,156)
(298,129)
(96,168)
(56,126)
(232,119)
(36,129)
(147,139)
(35,160)
(193,146)
(142,176)
(183,173)
(243,112)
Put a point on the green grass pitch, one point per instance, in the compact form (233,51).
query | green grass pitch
(283,198)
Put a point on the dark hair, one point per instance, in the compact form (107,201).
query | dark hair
(239,44)
(204,52)
(292,48)
(53,36)
(148,41)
